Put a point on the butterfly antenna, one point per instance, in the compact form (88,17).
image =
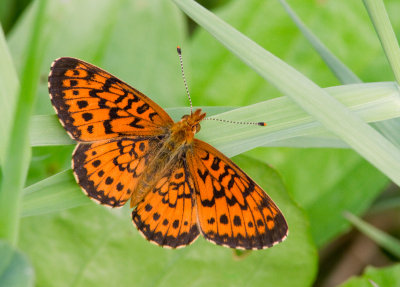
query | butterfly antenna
(263,124)
(184,79)
(190,100)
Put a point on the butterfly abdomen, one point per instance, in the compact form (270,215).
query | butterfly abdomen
(165,159)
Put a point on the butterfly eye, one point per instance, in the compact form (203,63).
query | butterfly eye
(197,128)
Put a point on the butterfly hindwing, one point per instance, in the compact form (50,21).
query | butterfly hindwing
(232,209)
(94,105)
(167,216)
(108,171)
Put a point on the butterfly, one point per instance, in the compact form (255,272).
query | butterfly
(129,148)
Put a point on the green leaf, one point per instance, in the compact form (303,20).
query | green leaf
(15,270)
(387,276)
(94,242)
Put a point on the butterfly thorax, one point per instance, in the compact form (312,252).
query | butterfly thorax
(172,147)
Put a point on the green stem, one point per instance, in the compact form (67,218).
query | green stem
(18,150)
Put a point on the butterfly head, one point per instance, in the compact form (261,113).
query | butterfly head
(193,120)
(188,126)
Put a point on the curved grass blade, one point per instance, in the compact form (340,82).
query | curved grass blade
(286,122)
(340,70)
(332,114)
(384,240)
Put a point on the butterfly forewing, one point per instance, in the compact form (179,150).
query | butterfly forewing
(94,105)
(232,209)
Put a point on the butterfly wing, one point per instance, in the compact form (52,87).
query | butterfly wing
(108,171)
(167,215)
(94,105)
(232,209)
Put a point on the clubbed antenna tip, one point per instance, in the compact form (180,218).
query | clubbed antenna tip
(184,79)
(262,124)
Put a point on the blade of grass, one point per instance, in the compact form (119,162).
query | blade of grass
(18,149)
(343,73)
(390,129)
(387,37)
(46,129)
(340,70)
(384,204)
(9,86)
(380,19)
(286,120)
(54,193)
(314,100)
(372,102)
(384,240)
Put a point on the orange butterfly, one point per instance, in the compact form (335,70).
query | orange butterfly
(130,148)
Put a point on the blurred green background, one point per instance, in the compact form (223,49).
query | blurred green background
(136,41)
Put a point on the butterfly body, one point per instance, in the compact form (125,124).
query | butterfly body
(171,148)
(130,149)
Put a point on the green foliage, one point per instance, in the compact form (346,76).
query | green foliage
(389,276)
(15,270)
(94,242)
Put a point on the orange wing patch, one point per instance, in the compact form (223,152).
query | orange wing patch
(232,209)
(94,105)
(167,216)
(108,171)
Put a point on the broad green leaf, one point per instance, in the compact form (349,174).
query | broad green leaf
(93,242)
(344,182)
(386,276)
(15,270)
